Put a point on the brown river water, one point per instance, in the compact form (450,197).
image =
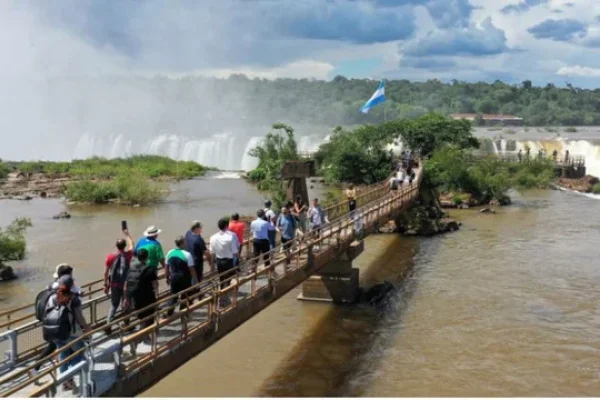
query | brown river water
(507,306)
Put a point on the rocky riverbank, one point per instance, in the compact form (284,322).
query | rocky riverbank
(466,201)
(21,187)
(584,185)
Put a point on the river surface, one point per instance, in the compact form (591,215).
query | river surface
(507,306)
(84,240)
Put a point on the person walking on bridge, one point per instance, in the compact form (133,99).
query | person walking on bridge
(141,289)
(151,244)
(196,246)
(180,273)
(62,319)
(351,196)
(271,218)
(300,210)
(115,274)
(260,237)
(238,228)
(41,304)
(286,223)
(224,248)
(317,219)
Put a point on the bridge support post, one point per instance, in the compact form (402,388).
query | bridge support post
(337,281)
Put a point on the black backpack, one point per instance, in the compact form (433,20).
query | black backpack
(41,301)
(133,281)
(119,269)
(57,322)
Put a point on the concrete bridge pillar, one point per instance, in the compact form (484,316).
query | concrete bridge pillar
(337,281)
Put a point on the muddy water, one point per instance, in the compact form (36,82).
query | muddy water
(507,306)
(86,239)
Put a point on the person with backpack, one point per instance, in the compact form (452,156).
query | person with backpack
(115,274)
(141,287)
(180,273)
(61,321)
(41,302)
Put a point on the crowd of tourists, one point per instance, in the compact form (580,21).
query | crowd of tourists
(131,272)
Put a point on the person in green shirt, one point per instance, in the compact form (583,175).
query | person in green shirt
(151,244)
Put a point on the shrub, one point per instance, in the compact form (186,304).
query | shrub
(12,240)
(596,188)
(4,170)
(457,200)
(90,192)
(102,168)
(132,188)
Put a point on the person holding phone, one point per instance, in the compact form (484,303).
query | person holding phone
(115,272)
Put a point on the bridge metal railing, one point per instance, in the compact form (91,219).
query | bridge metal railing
(513,157)
(22,340)
(198,317)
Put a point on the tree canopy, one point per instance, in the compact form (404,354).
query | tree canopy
(191,104)
(360,155)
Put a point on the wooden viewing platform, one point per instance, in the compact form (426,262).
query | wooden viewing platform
(168,342)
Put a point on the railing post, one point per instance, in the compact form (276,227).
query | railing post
(84,386)
(14,351)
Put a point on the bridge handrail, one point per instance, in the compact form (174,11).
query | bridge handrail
(209,287)
(28,327)
(97,286)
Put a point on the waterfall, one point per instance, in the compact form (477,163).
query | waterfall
(222,150)
(577,148)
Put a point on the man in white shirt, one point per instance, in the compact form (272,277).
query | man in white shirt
(223,249)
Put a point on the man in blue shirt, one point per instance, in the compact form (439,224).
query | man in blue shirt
(260,236)
(286,223)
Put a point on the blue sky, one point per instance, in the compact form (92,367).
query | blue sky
(545,41)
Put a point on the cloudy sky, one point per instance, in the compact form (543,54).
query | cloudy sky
(512,40)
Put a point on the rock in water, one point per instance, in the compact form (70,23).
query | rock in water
(26,197)
(378,295)
(584,185)
(62,215)
(487,211)
(7,273)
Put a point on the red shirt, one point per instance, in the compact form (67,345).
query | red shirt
(110,259)
(238,228)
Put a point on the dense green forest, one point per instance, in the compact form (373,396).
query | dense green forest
(337,102)
(189,104)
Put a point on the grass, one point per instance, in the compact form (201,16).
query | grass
(102,168)
(132,188)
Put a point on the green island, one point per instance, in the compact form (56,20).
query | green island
(12,245)
(134,180)
(360,156)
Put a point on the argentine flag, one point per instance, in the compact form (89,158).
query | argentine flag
(377,98)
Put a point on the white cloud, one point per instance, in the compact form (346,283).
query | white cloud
(578,70)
